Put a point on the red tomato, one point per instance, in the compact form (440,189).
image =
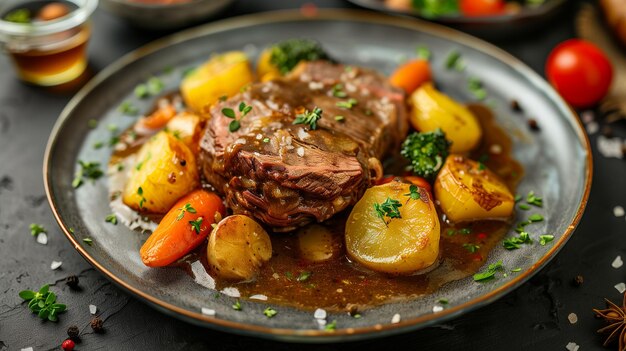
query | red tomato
(481,7)
(580,72)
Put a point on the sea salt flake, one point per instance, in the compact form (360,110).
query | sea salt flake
(395,319)
(618,211)
(300,151)
(275,276)
(27,349)
(321,322)
(572,346)
(621,287)
(572,317)
(617,262)
(55,264)
(258,297)
(495,149)
(592,128)
(319,314)
(587,116)
(208,311)
(437,308)
(610,147)
(93,309)
(42,238)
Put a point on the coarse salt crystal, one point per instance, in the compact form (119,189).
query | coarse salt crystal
(259,136)
(437,308)
(55,264)
(621,287)
(93,309)
(617,262)
(27,349)
(241,141)
(495,149)
(42,238)
(572,317)
(302,134)
(610,147)
(395,319)
(618,211)
(587,116)
(258,297)
(231,291)
(300,151)
(592,127)
(208,311)
(319,314)
(572,346)
(275,276)
(316,85)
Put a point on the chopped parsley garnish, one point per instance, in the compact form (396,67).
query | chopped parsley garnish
(390,209)
(453,61)
(413,193)
(451,232)
(443,301)
(289,275)
(186,208)
(88,170)
(112,218)
(534,200)
(141,91)
(332,326)
(43,303)
(338,91)
(88,241)
(237,306)
(544,239)
(235,124)
(112,127)
(36,229)
(18,16)
(489,273)
(269,312)
(98,145)
(535,218)
(195,225)
(266,140)
(518,197)
(423,52)
(465,231)
(155,85)
(514,243)
(475,87)
(340,118)
(309,117)
(472,248)
(348,104)
(188,71)
(92,123)
(143,199)
(304,276)
(223,98)
(128,108)
(524,207)
(515,270)
(141,163)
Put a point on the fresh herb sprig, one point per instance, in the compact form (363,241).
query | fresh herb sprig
(196,225)
(235,124)
(87,170)
(516,242)
(390,208)
(309,117)
(186,208)
(413,193)
(43,302)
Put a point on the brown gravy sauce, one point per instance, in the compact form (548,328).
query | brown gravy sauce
(337,283)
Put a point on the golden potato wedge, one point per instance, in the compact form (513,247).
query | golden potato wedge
(238,247)
(186,126)
(466,192)
(222,75)
(317,243)
(165,171)
(401,245)
(265,70)
(431,109)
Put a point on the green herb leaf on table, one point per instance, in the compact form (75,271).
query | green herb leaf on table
(36,229)
(43,303)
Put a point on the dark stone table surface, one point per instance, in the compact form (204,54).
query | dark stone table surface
(533,317)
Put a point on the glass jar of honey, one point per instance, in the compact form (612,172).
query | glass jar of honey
(46,40)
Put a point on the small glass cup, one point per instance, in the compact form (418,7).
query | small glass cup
(52,52)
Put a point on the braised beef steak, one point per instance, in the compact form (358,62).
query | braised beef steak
(287,175)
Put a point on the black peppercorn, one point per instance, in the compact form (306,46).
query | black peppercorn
(97,325)
(515,106)
(578,280)
(73,332)
(532,124)
(72,281)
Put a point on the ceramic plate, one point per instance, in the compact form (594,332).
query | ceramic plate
(557,161)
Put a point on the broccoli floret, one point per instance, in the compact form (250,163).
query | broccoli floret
(427,152)
(287,54)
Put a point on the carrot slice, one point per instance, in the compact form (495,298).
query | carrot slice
(184,227)
(411,75)
(159,118)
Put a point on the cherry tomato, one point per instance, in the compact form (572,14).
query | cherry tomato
(482,7)
(580,72)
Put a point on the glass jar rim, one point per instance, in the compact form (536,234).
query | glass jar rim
(71,20)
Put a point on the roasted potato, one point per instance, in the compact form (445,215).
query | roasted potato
(187,127)
(238,247)
(317,243)
(398,245)
(165,170)
(222,75)
(431,109)
(466,192)
(265,70)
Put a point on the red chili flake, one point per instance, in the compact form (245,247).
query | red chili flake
(68,345)
(309,9)
(481,236)
(477,257)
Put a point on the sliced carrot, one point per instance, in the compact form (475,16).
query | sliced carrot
(184,227)
(159,118)
(411,75)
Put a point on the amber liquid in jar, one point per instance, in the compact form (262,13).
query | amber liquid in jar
(54,59)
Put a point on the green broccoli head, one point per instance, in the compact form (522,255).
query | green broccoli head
(287,54)
(427,152)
